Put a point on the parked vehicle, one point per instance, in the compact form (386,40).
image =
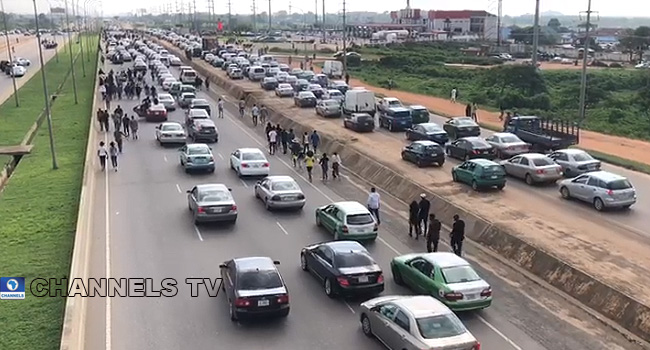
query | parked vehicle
(533,167)
(544,134)
(600,188)
(507,145)
(333,69)
(575,162)
(427,131)
(269,84)
(284,90)
(328,108)
(305,99)
(419,114)
(470,148)
(424,153)
(480,173)
(235,73)
(395,119)
(387,103)
(256,73)
(461,127)
(359,100)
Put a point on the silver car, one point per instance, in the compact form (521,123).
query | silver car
(328,108)
(170,132)
(415,322)
(333,94)
(600,188)
(212,203)
(575,162)
(280,192)
(533,168)
(507,145)
(168,101)
(284,90)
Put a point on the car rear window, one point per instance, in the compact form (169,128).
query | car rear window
(360,219)
(542,161)
(431,127)
(284,186)
(460,274)
(440,326)
(510,139)
(253,156)
(214,196)
(493,169)
(352,260)
(465,122)
(582,157)
(480,143)
(172,127)
(197,151)
(622,184)
(254,280)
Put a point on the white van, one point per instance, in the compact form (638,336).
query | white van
(188,76)
(359,100)
(267,58)
(333,69)
(256,73)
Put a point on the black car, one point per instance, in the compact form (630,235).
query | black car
(140,66)
(470,148)
(427,131)
(424,153)
(269,84)
(359,122)
(305,99)
(203,130)
(301,85)
(199,103)
(344,267)
(461,127)
(254,287)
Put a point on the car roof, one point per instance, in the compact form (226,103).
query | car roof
(305,93)
(430,124)
(334,91)
(391,99)
(204,121)
(422,305)
(212,187)
(171,123)
(346,246)
(417,107)
(254,263)
(250,150)
(483,162)
(195,111)
(188,94)
(399,109)
(198,145)
(572,151)
(199,100)
(606,176)
(502,134)
(444,259)
(280,178)
(330,101)
(426,143)
(164,95)
(351,207)
(472,138)
(534,155)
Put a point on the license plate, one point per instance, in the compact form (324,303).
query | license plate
(493,176)
(363,279)
(290,198)
(262,303)
(471,296)
(201,160)
(217,210)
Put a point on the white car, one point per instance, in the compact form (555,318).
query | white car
(18,71)
(250,162)
(23,61)
(170,132)
(168,101)
(167,83)
(175,61)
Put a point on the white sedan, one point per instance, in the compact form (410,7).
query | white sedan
(18,71)
(23,61)
(170,132)
(250,162)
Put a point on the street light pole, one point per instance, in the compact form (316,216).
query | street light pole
(46,95)
(74,76)
(536,34)
(345,53)
(13,78)
(79,37)
(583,77)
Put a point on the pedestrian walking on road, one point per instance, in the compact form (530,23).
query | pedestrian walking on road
(373,204)
(433,236)
(113,152)
(102,153)
(468,110)
(134,128)
(336,164)
(207,84)
(423,214)
(273,138)
(126,123)
(220,107)
(310,160)
(347,78)
(457,235)
(324,166)
(305,141)
(414,219)
(119,139)
(284,140)
(314,139)
(454,95)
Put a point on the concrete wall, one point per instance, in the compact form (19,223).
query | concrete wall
(602,298)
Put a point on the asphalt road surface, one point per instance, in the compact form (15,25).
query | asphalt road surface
(142,228)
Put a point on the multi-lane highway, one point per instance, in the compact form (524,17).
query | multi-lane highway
(142,228)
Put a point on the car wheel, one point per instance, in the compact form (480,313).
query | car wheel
(303,262)
(267,205)
(233,313)
(329,289)
(440,164)
(419,163)
(598,204)
(466,158)
(529,180)
(365,326)
(318,222)
(257,195)
(390,127)
(182,164)
(454,177)
(565,193)
(397,276)
(474,186)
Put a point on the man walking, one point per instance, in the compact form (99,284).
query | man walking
(220,107)
(423,213)
(314,138)
(454,95)
(102,153)
(284,139)
(373,203)
(414,219)
(273,138)
(134,128)
(457,235)
(433,236)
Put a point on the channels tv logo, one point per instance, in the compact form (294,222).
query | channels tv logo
(12,288)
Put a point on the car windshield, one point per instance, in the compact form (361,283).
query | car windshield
(582,157)
(542,161)
(402,115)
(493,170)
(193,151)
(465,122)
(285,186)
(460,274)
(440,326)
(253,156)
(622,184)
(332,103)
(263,279)
(172,127)
(431,128)
(284,86)
(214,196)
(352,260)
(510,139)
(480,144)
(360,219)
(431,149)
(306,95)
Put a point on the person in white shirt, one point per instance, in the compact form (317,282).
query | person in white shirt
(256,113)
(102,153)
(373,203)
(220,107)
(454,94)
(273,140)
(336,163)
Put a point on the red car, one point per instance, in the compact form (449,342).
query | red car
(156,113)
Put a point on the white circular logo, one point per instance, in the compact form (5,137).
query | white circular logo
(12,284)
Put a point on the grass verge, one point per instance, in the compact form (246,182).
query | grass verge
(618,161)
(38,213)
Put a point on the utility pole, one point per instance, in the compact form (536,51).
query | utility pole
(315,13)
(536,34)
(585,55)
(229,16)
(211,12)
(79,31)
(254,17)
(289,7)
(13,78)
(74,76)
(323,24)
(196,23)
(500,14)
(178,11)
(345,39)
(270,16)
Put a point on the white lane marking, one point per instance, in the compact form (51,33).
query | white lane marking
(117,213)
(198,233)
(165,158)
(220,156)
(282,228)
(349,307)
(498,332)
(178,188)
(108,306)
(244,183)
(388,245)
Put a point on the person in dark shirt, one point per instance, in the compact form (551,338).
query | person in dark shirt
(433,235)
(457,235)
(423,216)
(414,216)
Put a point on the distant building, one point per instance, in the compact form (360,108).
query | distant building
(479,24)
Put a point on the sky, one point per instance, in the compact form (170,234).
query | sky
(605,8)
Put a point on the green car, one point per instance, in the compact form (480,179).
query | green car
(419,114)
(446,277)
(480,173)
(347,220)
(175,88)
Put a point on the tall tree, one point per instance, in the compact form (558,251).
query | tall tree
(554,23)
(636,41)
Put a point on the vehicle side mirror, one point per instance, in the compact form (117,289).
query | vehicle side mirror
(188,191)
(375,308)
(276,262)
(222,266)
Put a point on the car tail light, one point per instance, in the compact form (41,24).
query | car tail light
(283,299)
(301,196)
(477,346)
(540,171)
(344,229)
(343,281)
(475,152)
(200,210)
(453,296)
(242,302)
(610,192)
(266,165)
(244,165)
(487,292)
(233,208)
(380,278)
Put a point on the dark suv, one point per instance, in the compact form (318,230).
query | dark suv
(203,129)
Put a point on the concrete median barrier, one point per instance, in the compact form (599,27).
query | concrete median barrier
(619,307)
